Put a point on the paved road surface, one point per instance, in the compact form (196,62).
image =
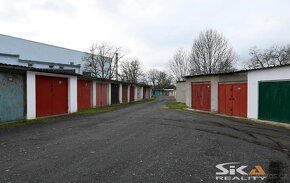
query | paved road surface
(140,143)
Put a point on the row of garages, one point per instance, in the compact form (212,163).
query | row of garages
(27,93)
(164,92)
(257,94)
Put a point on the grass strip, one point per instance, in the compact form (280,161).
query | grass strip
(79,113)
(176,105)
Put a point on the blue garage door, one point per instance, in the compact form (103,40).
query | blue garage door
(11,96)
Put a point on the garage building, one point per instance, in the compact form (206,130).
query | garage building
(224,93)
(257,93)
(269,94)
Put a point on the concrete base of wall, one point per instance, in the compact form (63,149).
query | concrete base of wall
(246,120)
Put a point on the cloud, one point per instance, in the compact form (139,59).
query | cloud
(150,30)
(57,6)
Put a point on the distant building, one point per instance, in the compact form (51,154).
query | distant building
(17,51)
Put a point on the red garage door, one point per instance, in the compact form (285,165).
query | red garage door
(102,97)
(125,93)
(201,96)
(132,88)
(84,94)
(51,96)
(233,99)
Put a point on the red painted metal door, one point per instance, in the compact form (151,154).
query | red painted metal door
(51,96)
(240,99)
(144,92)
(201,98)
(101,95)
(229,96)
(233,99)
(166,93)
(125,93)
(132,88)
(84,94)
(222,98)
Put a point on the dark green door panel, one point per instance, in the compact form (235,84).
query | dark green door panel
(274,101)
(264,101)
(285,95)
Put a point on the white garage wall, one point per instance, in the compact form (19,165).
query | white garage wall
(72,94)
(31,95)
(120,93)
(128,94)
(270,74)
(141,98)
(180,92)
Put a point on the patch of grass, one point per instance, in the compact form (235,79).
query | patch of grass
(79,113)
(173,99)
(175,105)
(25,122)
(95,110)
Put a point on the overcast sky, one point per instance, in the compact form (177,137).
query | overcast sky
(148,29)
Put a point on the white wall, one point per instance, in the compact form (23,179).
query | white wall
(141,93)
(271,74)
(120,93)
(109,94)
(31,95)
(94,97)
(128,93)
(180,92)
(135,93)
(72,94)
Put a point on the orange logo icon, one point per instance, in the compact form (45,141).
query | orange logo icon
(257,171)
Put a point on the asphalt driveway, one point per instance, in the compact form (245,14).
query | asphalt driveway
(140,143)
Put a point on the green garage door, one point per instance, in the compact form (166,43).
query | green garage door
(274,101)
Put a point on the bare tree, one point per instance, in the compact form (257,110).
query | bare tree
(152,77)
(211,53)
(100,60)
(159,79)
(164,80)
(274,56)
(131,70)
(179,64)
